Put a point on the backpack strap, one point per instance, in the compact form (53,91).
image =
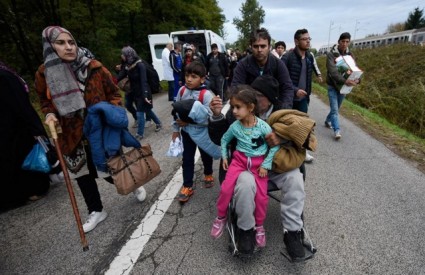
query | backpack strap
(182,90)
(201,94)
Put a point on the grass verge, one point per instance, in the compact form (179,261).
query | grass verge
(400,141)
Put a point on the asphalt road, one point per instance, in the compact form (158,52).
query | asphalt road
(364,212)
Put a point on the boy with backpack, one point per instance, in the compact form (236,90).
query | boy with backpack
(194,89)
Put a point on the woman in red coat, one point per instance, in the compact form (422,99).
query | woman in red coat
(67,84)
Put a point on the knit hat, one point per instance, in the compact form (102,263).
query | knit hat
(187,47)
(268,86)
(344,35)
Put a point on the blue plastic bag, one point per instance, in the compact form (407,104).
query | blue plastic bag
(37,160)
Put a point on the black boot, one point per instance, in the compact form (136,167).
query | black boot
(246,241)
(294,245)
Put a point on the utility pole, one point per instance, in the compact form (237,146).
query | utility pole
(329,37)
(356,29)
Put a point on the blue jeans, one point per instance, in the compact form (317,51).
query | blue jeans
(176,85)
(141,120)
(301,105)
(335,101)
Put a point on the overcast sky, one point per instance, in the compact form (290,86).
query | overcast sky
(358,17)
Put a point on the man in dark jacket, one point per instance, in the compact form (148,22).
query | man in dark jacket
(334,80)
(217,70)
(176,63)
(262,62)
(300,62)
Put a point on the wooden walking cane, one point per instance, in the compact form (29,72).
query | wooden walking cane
(52,129)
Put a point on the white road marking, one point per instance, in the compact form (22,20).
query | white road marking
(130,252)
(127,257)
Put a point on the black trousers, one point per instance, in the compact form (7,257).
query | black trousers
(88,185)
(189,160)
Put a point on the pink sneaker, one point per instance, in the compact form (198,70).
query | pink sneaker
(260,236)
(218,228)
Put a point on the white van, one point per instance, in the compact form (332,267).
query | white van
(201,38)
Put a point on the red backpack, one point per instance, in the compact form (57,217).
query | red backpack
(201,94)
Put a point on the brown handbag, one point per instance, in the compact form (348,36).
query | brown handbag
(133,168)
(124,84)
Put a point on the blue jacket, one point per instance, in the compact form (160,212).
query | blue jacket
(199,134)
(199,113)
(106,130)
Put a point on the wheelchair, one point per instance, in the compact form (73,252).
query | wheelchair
(242,244)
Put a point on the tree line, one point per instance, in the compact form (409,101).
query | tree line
(102,26)
(415,20)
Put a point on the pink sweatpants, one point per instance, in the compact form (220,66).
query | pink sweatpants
(239,164)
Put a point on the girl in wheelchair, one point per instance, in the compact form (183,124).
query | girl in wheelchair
(252,154)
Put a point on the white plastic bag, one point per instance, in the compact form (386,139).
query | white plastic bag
(176,148)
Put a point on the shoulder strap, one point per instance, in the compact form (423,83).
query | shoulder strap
(201,94)
(182,91)
(134,64)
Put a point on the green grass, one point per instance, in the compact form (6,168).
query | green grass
(397,139)
(368,115)
(393,84)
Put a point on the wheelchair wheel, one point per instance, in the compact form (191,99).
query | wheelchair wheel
(231,229)
(241,243)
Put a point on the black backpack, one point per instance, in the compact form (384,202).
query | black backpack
(153,77)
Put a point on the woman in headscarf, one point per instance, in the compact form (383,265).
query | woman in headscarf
(67,84)
(16,141)
(136,72)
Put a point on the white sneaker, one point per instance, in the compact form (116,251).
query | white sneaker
(57,178)
(140,193)
(94,219)
(328,124)
(308,158)
(102,175)
(148,124)
(337,135)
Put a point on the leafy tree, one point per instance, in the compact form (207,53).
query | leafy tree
(102,26)
(415,19)
(397,27)
(252,18)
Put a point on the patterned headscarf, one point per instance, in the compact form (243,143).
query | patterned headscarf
(130,55)
(4,67)
(64,79)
